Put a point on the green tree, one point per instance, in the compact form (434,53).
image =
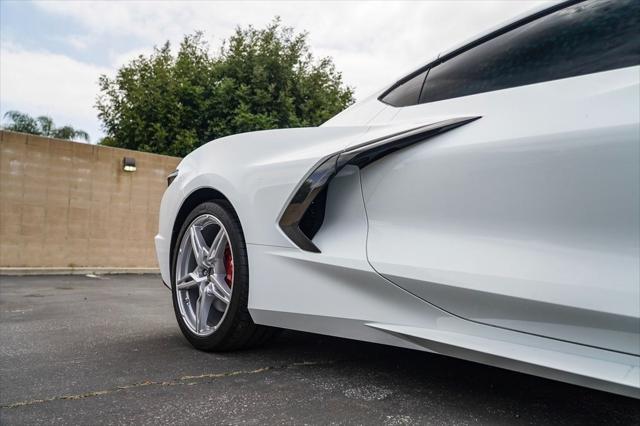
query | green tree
(43,126)
(260,79)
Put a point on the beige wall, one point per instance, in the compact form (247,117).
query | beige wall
(68,205)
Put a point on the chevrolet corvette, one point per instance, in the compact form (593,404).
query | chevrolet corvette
(485,206)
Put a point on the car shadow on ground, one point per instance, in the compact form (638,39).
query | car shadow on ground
(449,383)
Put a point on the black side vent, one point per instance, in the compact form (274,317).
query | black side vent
(314,216)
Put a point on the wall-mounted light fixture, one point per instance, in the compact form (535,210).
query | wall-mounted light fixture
(129,164)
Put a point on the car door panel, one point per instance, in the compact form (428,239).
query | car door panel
(526,219)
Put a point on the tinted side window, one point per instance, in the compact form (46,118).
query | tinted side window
(588,37)
(407,93)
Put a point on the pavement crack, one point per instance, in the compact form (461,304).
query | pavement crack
(227,374)
(182,381)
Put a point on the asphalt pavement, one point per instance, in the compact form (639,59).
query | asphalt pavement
(107,350)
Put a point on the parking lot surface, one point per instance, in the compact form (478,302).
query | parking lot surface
(107,350)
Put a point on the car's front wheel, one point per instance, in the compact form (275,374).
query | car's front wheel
(210,281)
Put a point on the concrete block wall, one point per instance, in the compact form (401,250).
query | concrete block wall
(70,205)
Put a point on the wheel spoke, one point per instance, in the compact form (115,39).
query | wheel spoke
(220,288)
(199,314)
(203,305)
(217,246)
(188,281)
(200,249)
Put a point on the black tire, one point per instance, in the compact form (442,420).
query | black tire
(237,330)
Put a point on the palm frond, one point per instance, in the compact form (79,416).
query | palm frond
(46,125)
(81,134)
(21,122)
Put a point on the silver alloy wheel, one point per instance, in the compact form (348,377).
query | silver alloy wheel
(203,282)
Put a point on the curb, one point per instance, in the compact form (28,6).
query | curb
(19,271)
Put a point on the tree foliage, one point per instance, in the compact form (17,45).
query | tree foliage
(43,126)
(260,79)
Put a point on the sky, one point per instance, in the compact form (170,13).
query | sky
(52,52)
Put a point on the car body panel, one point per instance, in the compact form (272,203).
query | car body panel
(336,292)
(553,252)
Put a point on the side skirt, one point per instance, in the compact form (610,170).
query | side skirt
(610,372)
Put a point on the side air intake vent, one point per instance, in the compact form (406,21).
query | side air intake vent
(303,216)
(314,216)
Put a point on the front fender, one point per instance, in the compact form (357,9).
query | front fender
(256,172)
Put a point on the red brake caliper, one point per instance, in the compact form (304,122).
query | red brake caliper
(228,265)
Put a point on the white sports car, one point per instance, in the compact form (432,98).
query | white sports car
(485,206)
